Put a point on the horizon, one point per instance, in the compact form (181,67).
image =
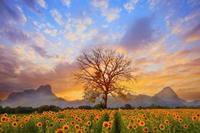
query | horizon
(131,93)
(41,40)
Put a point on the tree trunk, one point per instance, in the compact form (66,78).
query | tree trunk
(105,99)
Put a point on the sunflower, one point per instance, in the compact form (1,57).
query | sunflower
(79,131)
(59,130)
(14,116)
(141,123)
(26,119)
(14,124)
(72,122)
(166,122)
(129,126)
(39,124)
(5,115)
(180,120)
(77,127)
(144,116)
(154,129)
(96,118)
(51,125)
(89,123)
(84,129)
(185,126)
(47,121)
(105,124)
(194,118)
(65,127)
(145,129)
(162,127)
(3,119)
(134,126)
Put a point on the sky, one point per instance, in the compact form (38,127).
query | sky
(41,39)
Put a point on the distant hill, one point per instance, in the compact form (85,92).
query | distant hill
(166,97)
(44,96)
(35,98)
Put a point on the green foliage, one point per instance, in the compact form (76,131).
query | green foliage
(118,125)
(28,110)
(85,107)
(98,126)
(127,106)
(98,106)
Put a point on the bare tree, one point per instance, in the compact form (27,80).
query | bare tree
(101,72)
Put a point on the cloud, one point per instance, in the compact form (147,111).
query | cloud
(79,30)
(188,94)
(67,2)
(25,75)
(183,25)
(153,3)
(41,51)
(32,4)
(139,34)
(102,4)
(12,18)
(57,16)
(11,14)
(105,37)
(82,37)
(8,64)
(130,5)
(156,67)
(159,5)
(51,31)
(110,14)
(18,75)
(15,34)
(42,3)
(185,28)
(193,35)
(23,18)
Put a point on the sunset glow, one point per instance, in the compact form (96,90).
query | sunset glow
(41,39)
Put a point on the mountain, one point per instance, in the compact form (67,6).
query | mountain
(44,96)
(35,98)
(167,97)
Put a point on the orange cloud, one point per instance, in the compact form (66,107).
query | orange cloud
(155,68)
(193,35)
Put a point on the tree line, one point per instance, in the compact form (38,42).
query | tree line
(28,110)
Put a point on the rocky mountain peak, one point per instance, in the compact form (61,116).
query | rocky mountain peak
(167,93)
(45,89)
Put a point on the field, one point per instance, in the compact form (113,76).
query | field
(106,121)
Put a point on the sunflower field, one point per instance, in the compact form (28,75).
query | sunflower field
(104,121)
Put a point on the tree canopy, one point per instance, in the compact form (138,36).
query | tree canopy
(101,71)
